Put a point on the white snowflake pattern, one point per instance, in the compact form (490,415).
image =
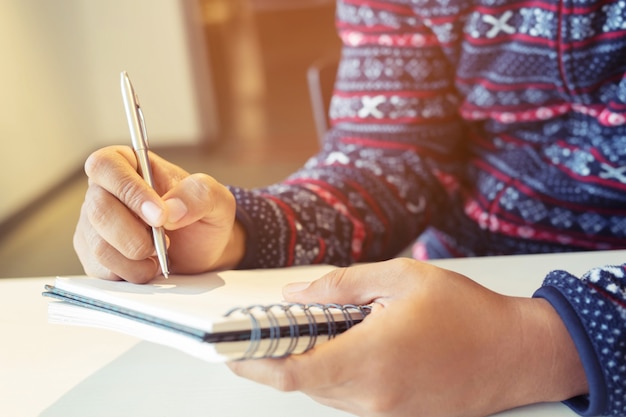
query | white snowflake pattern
(389,19)
(394,67)
(591,223)
(618,226)
(580,161)
(367,16)
(581,26)
(491,186)
(532,211)
(373,68)
(350,68)
(537,22)
(562,218)
(445,32)
(616,16)
(417,69)
(481,96)
(471,26)
(509,198)
(576,160)
(533,95)
(509,98)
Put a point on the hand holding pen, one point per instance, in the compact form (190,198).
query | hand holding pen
(126,192)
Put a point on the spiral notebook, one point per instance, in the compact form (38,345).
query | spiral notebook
(217,317)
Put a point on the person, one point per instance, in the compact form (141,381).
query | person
(477,128)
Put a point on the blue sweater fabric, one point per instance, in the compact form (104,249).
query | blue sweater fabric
(472,127)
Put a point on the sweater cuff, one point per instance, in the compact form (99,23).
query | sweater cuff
(595,402)
(248,261)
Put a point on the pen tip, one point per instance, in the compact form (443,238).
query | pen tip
(166,274)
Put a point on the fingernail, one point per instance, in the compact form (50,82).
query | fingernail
(296,287)
(151,212)
(176,209)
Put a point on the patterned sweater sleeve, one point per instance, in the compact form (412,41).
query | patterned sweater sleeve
(373,186)
(593,309)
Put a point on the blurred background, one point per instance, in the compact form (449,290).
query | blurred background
(222,83)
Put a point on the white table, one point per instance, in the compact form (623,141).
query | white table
(52,370)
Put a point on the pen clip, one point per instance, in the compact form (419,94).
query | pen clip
(142,124)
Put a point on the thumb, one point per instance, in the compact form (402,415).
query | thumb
(198,197)
(360,284)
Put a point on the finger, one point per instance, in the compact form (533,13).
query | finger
(324,372)
(360,284)
(91,267)
(115,170)
(277,373)
(116,225)
(100,259)
(293,373)
(199,197)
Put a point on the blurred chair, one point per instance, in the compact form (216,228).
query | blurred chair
(321,81)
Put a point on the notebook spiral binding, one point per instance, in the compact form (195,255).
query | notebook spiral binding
(318,320)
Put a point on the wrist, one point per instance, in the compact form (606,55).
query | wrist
(235,248)
(548,364)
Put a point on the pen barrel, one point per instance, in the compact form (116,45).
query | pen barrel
(143,166)
(160,244)
(158,233)
(139,137)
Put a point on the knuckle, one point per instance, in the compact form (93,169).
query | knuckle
(399,269)
(206,196)
(403,264)
(99,212)
(334,280)
(268,372)
(138,248)
(141,275)
(380,405)
(96,205)
(199,189)
(201,183)
(103,160)
(209,190)
(106,167)
(285,381)
(130,192)
(385,405)
(95,162)
(100,249)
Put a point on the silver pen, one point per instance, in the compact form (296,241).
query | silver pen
(139,137)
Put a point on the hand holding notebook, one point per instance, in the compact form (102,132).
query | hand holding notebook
(435,344)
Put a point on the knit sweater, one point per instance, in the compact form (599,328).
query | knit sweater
(477,127)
